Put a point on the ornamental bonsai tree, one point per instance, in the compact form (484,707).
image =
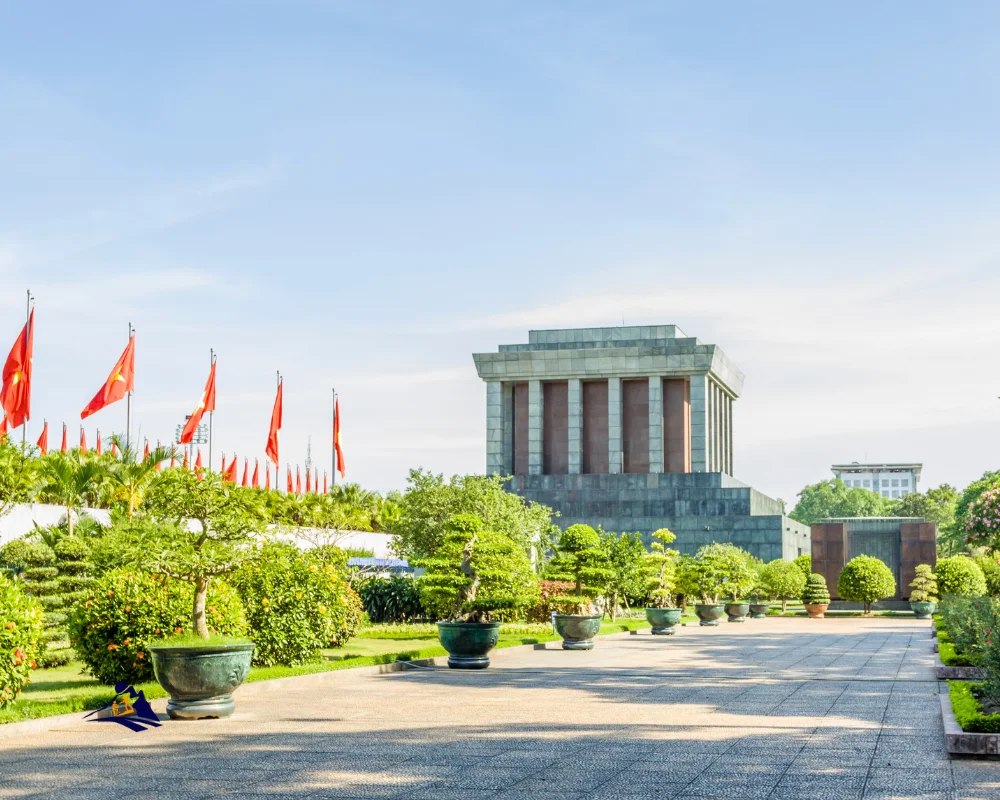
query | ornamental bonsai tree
(662,566)
(961,576)
(476,574)
(924,585)
(737,569)
(580,560)
(866,579)
(781,580)
(701,576)
(625,555)
(816,594)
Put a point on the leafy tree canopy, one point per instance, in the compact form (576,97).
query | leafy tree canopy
(832,498)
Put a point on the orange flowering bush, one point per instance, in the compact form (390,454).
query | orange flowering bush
(113,625)
(20,632)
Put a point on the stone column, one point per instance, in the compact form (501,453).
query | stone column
(508,428)
(710,429)
(574,414)
(729,436)
(494,428)
(614,425)
(724,430)
(656,424)
(699,423)
(535,417)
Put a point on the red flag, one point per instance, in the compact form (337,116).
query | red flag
(173,460)
(3,427)
(15,394)
(271,451)
(341,468)
(185,464)
(83,441)
(157,467)
(65,444)
(229,476)
(256,477)
(316,480)
(246,473)
(114,448)
(298,480)
(206,404)
(308,481)
(197,461)
(43,440)
(145,451)
(267,478)
(324,482)
(120,382)
(98,449)
(289,489)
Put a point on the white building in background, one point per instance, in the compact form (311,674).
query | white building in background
(889,480)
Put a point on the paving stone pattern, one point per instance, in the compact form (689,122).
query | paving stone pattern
(784,709)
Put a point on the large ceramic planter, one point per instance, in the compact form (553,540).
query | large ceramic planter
(759,610)
(816,610)
(663,620)
(578,630)
(737,612)
(922,610)
(201,679)
(468,643)
(709,614)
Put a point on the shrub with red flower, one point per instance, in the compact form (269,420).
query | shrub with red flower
(20,632)
(982,527)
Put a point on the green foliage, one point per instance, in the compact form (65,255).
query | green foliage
(661,569)
(475,574)
(69,480)
(21,553)
(582,561)
(428,504)
(733,570)
(816,591)
(970,495)
(866,579)
(125,610)
(982,525)
(960,575)
(392,600)
(991,572)
(20,634)
(968,711)
(831,499)
(549,594)
(936,505)
(781,580)
(924,585)
(295,605)
(625,556)
(805,565)
(16,474)
(968,622)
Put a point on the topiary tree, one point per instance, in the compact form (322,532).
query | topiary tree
(960,575)
(781,580)
(816,591)
(625,555)
(581,561)
(662,569)
(991,572)
(476,575)
(866,579)
(805,565)
(20,633)
(924,585)
(736,569)
(702,575)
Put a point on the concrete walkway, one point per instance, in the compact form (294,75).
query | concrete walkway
(785,709)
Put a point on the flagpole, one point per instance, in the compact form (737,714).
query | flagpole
(333,440)
(128,403)
(27,320)
(211,353)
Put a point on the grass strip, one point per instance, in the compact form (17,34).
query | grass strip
(968,711)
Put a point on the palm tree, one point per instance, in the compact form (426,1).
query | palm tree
(130,476)
(68,480)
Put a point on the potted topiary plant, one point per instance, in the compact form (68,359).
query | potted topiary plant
(701,577)
(662,615)
(474,576)
(581,560)
(194,528)
(866,579)
(739,579)
(923,598)
(816,597)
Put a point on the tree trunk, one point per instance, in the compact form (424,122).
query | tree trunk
(784,604)
(198,624)
(69,518)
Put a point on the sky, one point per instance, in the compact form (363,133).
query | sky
(362,194)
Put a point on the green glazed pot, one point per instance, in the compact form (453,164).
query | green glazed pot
(468,643)
(759,610)
(923,610)
(710,614)
(737,611)
(663,620)
(578,630)
(201,680)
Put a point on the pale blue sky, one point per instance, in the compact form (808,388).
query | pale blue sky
(365,193)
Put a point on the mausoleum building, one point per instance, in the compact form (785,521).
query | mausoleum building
(628,428)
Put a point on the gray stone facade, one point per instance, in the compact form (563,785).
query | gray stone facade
(687,434)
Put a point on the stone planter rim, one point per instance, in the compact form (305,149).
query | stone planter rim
(201,649)
(481,625)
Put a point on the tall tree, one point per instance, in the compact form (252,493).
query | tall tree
(832,498)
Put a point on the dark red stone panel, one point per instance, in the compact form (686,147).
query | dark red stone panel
(635,426)
(520,428)
(676,425)
(555,428)
(595,427)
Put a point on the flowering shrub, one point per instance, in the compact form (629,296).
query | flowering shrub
(20,631)
(295,605)
(111,628)
(982,525)
(542,610)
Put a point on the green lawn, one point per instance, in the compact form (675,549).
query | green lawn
(63,690)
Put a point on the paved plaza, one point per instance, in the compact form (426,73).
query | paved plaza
(785,709)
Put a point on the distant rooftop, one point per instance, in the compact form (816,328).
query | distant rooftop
(903,466)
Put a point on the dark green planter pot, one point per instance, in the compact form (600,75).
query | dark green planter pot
(663,620)
(759,610)
(201,680)
(922,610)
(468,643)
(709,615)
(737,612)
(578,630)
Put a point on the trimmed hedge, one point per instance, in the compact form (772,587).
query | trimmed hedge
(967,709)
(866,579)
(394,599)
(960,575)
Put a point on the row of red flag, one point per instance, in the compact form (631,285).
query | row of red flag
(15,399)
